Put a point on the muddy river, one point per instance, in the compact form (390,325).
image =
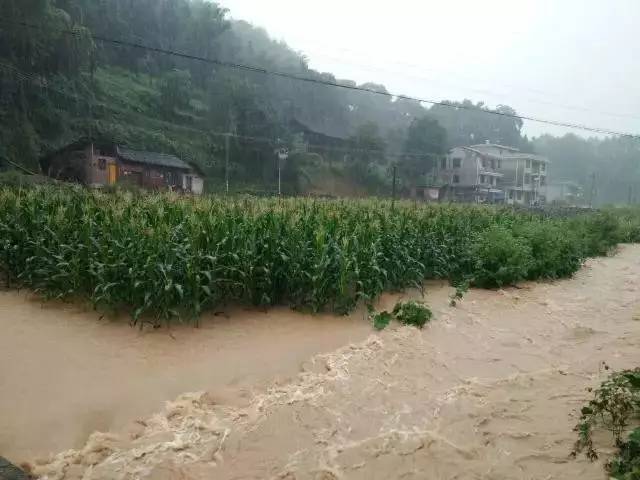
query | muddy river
(489,390)
(65,373)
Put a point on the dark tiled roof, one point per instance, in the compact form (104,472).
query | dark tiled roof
(326,127)
(152,158)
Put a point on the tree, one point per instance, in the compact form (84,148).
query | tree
(614,161)
(175,90)
(367,146)
(426,139)
(23,148)
(47,49)
(468,123)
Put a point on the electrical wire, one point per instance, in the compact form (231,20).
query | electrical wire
(271,141)
(291,76)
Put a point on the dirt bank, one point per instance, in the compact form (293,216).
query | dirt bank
(65,374)
(488,391)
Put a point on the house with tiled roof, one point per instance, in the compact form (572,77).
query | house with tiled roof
(99,164)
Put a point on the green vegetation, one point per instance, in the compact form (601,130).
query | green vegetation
(162,256)
(615,406)
(56,88)
(462,287)
(626,465)
(500,257)
(412,313)
(381,320)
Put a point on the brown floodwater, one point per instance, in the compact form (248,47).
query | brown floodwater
(65,373)
(489,390)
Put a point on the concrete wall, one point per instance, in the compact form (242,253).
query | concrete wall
(197,183)
(467,173)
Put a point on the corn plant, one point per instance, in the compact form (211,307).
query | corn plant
(164,257)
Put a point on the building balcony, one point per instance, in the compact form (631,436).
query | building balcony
(491,173)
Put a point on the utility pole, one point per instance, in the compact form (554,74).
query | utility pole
(279,177)
(283,154)
(226,161)
(593,189)
(393,188)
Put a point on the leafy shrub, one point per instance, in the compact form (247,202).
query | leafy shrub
(614,404)
(412,313)
(626,464)
(381,320)
(555,251)
(628,223)
(600,232)
(462,287)
(500,258)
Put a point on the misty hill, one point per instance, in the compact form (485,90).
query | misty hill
(56,87)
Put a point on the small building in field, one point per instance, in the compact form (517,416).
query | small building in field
(101,164)
(429,193)
(566,193)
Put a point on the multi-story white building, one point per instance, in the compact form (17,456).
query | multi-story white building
(491,173)
(470,176)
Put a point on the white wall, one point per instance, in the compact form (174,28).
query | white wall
(197,183)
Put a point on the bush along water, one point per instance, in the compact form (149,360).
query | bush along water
(413,313)
(615,407)
(162,256)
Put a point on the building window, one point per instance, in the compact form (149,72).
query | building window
(543,167)
(443,163)
(528,163)
(510,194)
(457,163)
(527,179)
(519,195)
(499,163)
(102,163)
(456,179)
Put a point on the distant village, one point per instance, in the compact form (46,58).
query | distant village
(484,173)
(491,173)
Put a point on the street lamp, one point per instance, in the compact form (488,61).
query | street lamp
(283,154)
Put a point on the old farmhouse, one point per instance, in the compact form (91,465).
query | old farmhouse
(100,164)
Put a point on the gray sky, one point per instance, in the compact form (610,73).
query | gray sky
(565,60)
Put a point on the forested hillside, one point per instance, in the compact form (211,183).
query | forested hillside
(56,87)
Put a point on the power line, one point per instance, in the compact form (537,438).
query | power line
(275,73)
(477,90)
(25,76)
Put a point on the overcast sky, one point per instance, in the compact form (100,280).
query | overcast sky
(565,60)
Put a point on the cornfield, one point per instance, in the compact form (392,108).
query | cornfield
(161,257)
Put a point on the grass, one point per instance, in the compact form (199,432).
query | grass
(162,257)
